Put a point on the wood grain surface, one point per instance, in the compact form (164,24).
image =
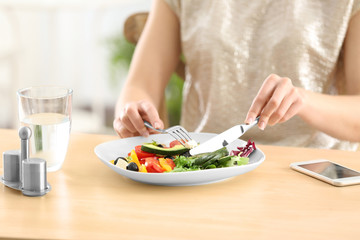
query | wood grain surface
(90,201)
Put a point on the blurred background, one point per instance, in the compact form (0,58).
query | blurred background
(78,44)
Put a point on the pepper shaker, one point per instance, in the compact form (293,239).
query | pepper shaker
(22,172)
(34,177)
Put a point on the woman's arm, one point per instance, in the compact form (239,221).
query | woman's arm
(339,116)
(155,58)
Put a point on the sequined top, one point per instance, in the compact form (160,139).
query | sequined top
(231,46)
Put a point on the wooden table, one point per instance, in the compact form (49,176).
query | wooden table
(90,201)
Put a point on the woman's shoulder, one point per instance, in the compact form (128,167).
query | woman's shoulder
(355,7)
(175,6)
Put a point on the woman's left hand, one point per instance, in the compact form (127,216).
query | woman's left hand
(277,101)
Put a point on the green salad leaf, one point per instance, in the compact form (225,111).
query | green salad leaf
(217,159)
(184,164)
(237,161)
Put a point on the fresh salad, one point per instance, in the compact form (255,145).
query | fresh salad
(158,158)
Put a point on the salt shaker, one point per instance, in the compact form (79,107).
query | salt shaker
(22,172)
(12,169)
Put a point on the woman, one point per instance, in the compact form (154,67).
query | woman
(296,64)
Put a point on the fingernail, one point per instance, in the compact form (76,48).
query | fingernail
(262,125)
(157,125)
(249,120)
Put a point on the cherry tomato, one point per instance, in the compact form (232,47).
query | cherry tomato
(142,154)
(143,160)
(152,165)
(174,143)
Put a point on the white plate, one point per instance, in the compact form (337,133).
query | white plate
(111,150)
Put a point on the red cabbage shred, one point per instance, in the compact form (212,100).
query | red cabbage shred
(244,151)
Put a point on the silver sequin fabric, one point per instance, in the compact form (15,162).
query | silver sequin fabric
(231,46)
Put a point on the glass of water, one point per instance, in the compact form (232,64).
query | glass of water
(46,110)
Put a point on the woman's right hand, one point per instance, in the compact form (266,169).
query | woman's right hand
(130,120)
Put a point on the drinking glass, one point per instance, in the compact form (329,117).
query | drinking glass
(46,110)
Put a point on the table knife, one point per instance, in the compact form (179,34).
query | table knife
(223,139)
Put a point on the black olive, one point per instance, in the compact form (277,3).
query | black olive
(132,167)
(171,157)
(186,154)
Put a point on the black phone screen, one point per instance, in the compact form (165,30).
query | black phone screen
(330,170)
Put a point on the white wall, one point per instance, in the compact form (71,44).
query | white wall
(61,43)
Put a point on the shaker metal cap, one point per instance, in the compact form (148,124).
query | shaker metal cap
(12,169)
(34,177)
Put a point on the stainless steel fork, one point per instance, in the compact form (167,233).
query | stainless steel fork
(177,132)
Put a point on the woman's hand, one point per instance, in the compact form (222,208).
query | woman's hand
(277,101)
(130,121)
(155,59)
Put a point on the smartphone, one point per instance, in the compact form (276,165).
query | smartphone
(328,171)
